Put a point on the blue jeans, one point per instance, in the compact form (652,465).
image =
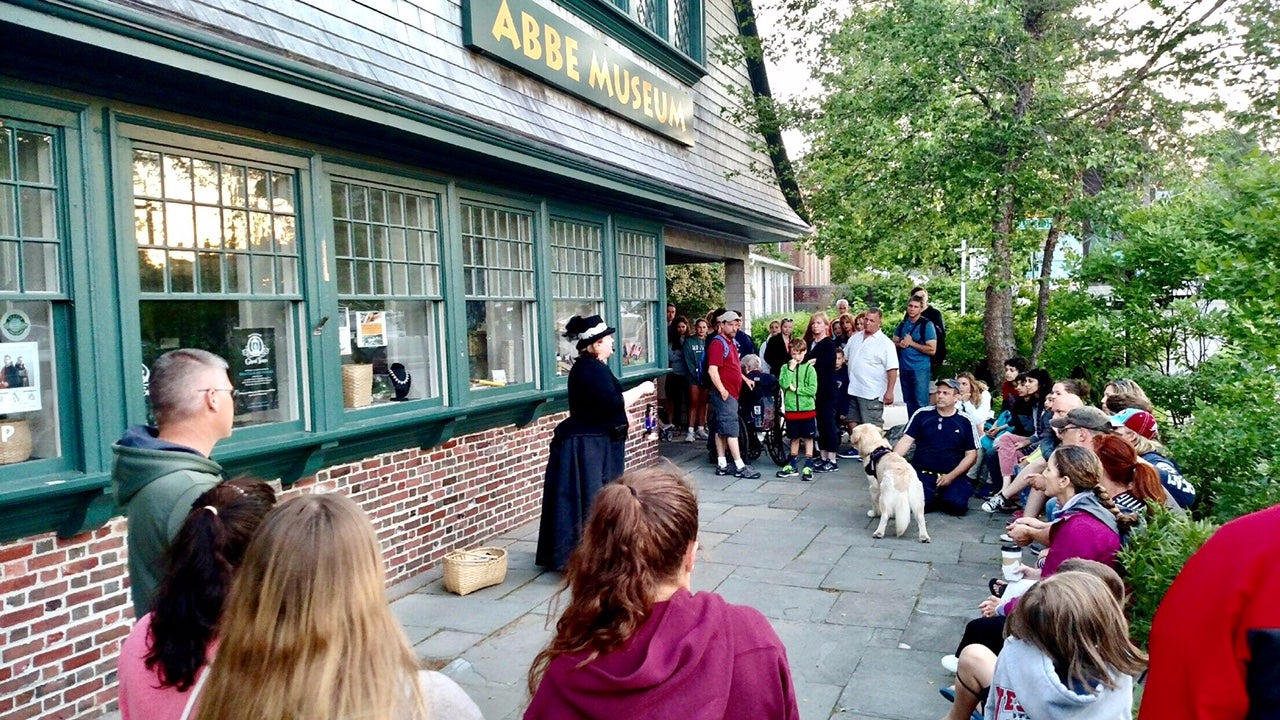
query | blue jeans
(915,388)
(952,499)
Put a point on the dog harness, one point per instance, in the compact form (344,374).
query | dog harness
(875,458)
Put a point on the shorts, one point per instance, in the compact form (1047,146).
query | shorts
(724,415)
(864,410)
(805,429)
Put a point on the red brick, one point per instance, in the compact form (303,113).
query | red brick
(81,659)
(18,651)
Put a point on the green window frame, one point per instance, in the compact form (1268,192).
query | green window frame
(500,293)
(38,411)
(217,264)
(388,256)
(639,294)
(577,279)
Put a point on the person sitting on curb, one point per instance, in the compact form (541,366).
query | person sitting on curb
(945,450)
(1138,428)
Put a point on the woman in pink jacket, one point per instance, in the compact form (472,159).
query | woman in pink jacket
(635,642)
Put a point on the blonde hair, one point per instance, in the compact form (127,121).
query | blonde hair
(976,388)
(1075,619)
(307,632)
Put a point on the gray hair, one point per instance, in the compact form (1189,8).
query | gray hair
(751,363)
(173,376)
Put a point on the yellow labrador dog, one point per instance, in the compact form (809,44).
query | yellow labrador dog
(895,488)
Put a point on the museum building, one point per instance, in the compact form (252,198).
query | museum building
(381,213)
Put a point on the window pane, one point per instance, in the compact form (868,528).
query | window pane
(566,349)
(9,266)
(234,186)
(151,264)
(29,398)
(182,272)
(35,158)
(259,193)
(409,339)
(499,335)
(177,177)
(40,267)
(205,174)
(6,154)
(239,279)
(38,210)
(636,344)
(259,330)
(210,272)
(8,215)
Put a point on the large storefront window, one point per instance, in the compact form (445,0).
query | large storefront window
(498,282)
(218,270)
(637,295)
(387,243)
(577,281)
(31,239)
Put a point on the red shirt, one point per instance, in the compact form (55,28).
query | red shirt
(1215,642)
(723,354)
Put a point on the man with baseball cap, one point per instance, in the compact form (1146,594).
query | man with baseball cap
(945,450)
(725,373)
(1080,426)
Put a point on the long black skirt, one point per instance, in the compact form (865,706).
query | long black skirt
(578,467)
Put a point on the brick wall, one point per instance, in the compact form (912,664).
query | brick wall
(64,604)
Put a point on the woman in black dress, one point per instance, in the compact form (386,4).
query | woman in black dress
(822,353)
(588,449)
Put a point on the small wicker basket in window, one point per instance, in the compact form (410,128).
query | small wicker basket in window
(357,385)
(466,571)
(15,441)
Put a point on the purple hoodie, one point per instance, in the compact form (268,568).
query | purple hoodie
(695,658)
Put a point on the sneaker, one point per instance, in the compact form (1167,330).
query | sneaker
(689,437)
(746,473)
(787,471)
(850,454)
(723,470)
(993,503)
(806,474)
(950,663)
(1004,538)
(700,434)
(825,466)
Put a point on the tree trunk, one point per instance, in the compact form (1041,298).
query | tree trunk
(998,314)
(1046,278)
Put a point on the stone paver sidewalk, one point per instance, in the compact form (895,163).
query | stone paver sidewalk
(864,621)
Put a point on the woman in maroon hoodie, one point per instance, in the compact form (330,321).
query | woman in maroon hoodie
(635,642)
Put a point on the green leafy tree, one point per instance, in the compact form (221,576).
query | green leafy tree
(946,119)
(695,289)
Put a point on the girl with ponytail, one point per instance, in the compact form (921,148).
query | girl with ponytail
(634,641)
(1131,483)
(168,648)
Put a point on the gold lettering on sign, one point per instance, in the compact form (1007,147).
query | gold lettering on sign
(571,59)
(532,48)
(599,77)
(555,60)
(504,26)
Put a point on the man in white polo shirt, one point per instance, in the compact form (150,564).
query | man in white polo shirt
(873,372)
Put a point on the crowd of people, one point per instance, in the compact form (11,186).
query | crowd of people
(250,607)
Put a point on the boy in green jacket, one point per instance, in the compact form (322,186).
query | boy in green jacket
(799,383)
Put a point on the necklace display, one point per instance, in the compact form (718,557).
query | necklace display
(400,381)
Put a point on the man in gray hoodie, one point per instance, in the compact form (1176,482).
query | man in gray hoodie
(159,471)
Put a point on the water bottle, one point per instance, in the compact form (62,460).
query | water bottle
(757,416)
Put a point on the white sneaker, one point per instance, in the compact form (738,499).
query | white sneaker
(950,663)
(689,437)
